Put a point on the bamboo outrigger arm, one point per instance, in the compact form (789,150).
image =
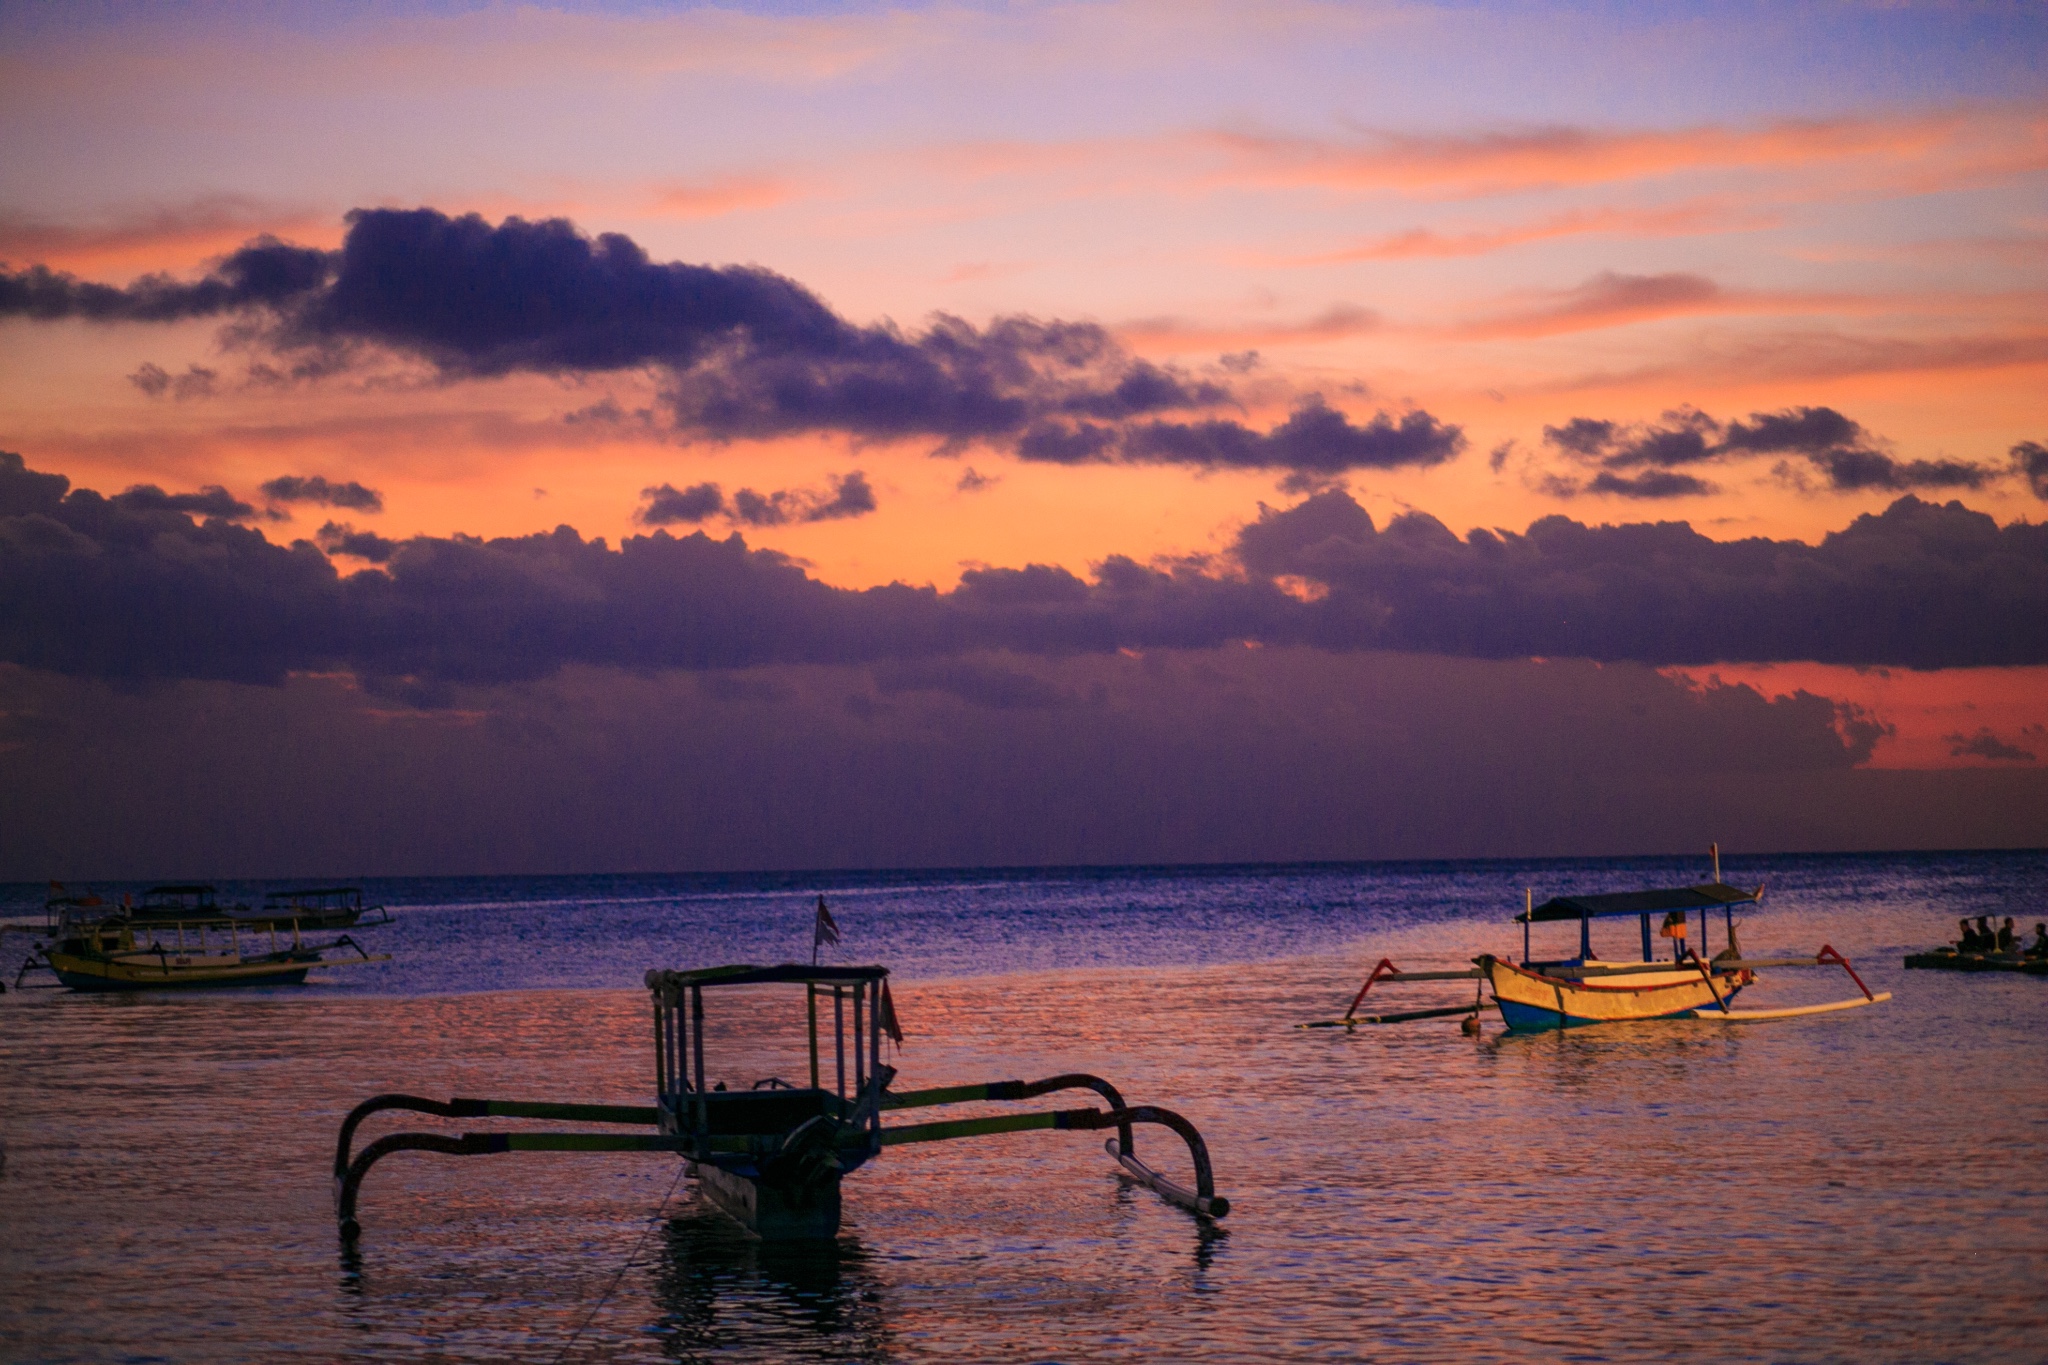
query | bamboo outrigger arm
(1014,1090)
(460,1108)
(349,1174)
(478,1144)
(1203,1199)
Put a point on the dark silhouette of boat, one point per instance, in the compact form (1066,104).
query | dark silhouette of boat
(1954,960)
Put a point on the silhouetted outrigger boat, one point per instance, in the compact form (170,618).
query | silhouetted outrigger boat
(319,907)
(185,904)
(1572,992)
(773,1155)
(1954,960)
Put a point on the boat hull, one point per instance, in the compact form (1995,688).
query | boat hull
(116,974)
(1532,1002)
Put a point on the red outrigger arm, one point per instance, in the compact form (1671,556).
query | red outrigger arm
(1827,953)
(1386,968)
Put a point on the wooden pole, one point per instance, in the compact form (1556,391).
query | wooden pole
(697,1045)
(811,1005)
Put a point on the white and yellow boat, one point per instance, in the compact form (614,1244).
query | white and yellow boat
(121,955)
(1575,991)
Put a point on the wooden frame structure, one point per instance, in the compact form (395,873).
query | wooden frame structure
(772,1156)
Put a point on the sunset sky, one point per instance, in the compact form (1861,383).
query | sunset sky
(1202,377)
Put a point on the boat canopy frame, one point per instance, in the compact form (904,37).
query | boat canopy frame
(1669,901)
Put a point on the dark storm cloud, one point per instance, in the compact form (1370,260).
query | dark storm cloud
(1315,439)
(482,300)
(317,490)
(128,588)
(340,538)
(1921,585)
(131,587)
(1833,445)
(1681,438)
(2030,462)
(210,501)
(742,352)
(1986,744)
(1850,470)
(846,496)
(669,506)
(266,273)
(156,381)
(1806,430)
(953,381)
(1651,483)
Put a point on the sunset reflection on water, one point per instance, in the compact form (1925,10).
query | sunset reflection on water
(1858,1186)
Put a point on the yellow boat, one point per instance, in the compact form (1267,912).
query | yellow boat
(1575,991)
(110,955)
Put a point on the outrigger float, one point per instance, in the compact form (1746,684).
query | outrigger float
(772,1156)
(1540,996)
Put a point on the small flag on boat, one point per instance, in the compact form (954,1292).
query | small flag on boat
(1674,925)
(885,1015)
(824,931)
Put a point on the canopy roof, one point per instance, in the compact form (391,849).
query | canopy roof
(314,891)
(1706,895)
(746,974)
(179,891)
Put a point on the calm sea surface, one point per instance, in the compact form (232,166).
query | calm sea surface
(1865,1186)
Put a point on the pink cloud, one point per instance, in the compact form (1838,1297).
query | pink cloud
(1679,220)
(1919,152)
(159,236)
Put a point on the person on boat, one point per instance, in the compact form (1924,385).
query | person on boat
(1965,937)
(2008,941)
(1987,937)
(2040,948)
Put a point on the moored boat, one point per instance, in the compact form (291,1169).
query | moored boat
(184,904)
(121,955)
(319,907)
(1953,960)
(1583,989)
(768,1152)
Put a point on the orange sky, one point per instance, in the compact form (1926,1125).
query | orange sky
(1392,218)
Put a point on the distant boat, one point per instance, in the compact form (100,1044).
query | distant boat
(188,904)
(122,955)
(1954,960)
(320,907)
(1579,990)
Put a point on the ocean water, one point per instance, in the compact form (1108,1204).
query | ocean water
(1864,1186)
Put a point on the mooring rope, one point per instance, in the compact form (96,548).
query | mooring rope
(631,1260)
